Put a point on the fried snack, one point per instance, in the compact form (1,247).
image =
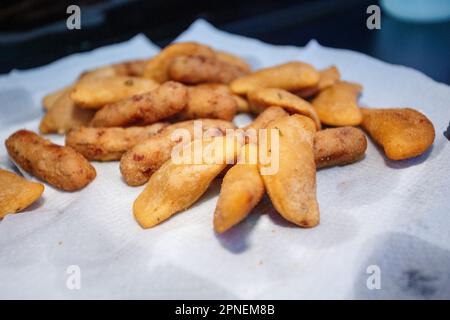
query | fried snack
(290,76)
(65,115)
(264,118)
(163,102)
(94,93)
(132,68)
(241,103)
(49,100)
(338,105)
(234,60)
(292,188)
(108,144)
(176,186)
(328,77)
(60,166)
(262,98)
(403,133)
(200,69)
(208,103)
(17,193)
(157,68)
(339,146)
(242,189)
(141,161)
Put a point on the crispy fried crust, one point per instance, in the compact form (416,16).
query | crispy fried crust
(242,189)
(108,144)
(262,98)
(17,193)
(94,93)
(328,77)
(208,103)
(157,68)
(234,60)
(49,100)
(176,186)
(163,102)
(339,146)
(200,69)
(140,162)
(337,105)
(60,166)
(265,117)
(64,115)
(292,188)
(403,133)
(289,76)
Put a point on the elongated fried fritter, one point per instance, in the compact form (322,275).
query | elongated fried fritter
(60,166)
(200,69)
(17,193)
(163,102)
(339,146)
(141,161)
(328,77)
(108,144)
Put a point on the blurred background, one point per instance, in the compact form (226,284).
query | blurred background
(414,33)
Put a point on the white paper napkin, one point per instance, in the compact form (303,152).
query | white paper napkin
(379,218)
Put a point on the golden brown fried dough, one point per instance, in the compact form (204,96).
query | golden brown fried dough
(157,68)
(60,166)
(49,100)
(242,189)
(241,103)
(338,146)
(265,117)
(234,60)
(176,186)
(140,162)
(290,76)
(163,102)
(64,115)
(337,105)
(132,68)
(403,133)
(292,188)
(108,144)
(94,93)
(328,77)
(17,193)
(262,98)
(200,69)
(207,103)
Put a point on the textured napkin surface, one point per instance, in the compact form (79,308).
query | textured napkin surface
(391,215)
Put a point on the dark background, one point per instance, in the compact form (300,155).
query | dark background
(34,33)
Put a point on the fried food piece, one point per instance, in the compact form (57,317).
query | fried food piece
(328,77)
(242,189)
(94,93)
(339,146)
(262,98)
(241,103)
(200,69)
(176,186)
(64,115)
(403,133)
(265,117)
(141,161)
(163,102)
(49,100)
(60,166)
(234,60)
(338,105)
(157,68)
(290,76)
(208,103)
(17,193)
(131,68)
(108,144)
(292,188)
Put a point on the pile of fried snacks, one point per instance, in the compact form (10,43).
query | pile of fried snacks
(168,121)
